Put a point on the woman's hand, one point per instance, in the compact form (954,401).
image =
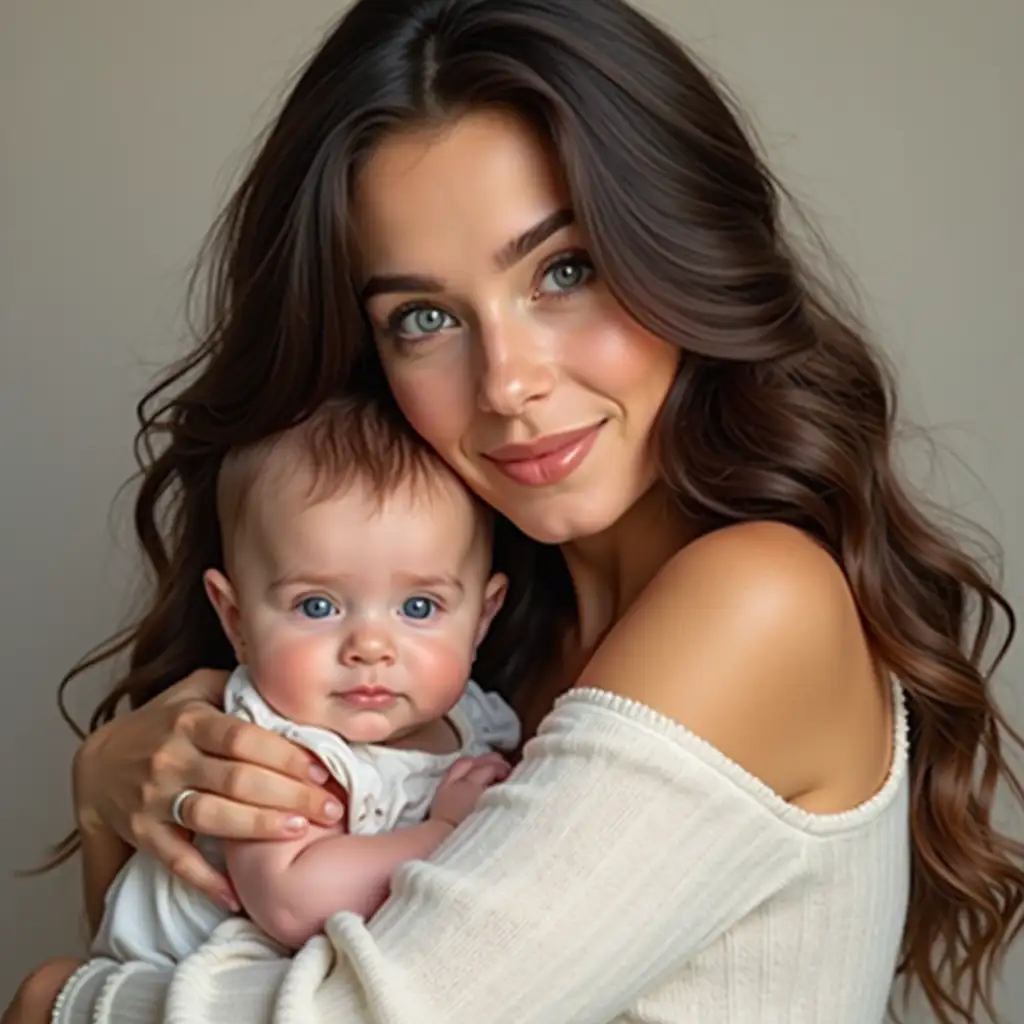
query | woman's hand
(33,1002)
(249,783)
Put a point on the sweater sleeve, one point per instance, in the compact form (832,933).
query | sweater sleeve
(621,846)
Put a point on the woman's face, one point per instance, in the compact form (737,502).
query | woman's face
(503,348)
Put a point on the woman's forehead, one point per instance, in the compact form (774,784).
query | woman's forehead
(467,188)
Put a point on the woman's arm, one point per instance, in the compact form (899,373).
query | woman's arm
(611,854)
(621,846)
(33,1002)
(103,855)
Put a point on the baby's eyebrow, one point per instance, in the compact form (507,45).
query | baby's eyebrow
(428,582)
(305,579)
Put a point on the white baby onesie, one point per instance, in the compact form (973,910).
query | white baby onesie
(153,916)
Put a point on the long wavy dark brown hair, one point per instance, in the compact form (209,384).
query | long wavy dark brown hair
(781,411)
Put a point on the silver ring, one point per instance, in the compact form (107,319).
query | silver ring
(179,804)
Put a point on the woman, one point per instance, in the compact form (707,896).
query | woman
(743,649)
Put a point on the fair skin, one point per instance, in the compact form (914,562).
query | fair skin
(359,616)
(748,636)
(331,597)
(745,626)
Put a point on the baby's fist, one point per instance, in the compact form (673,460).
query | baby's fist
(464,785)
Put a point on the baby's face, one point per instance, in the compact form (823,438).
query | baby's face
(358,617)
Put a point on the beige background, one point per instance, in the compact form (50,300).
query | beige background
(121,125)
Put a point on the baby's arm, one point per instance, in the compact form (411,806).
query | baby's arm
(291,888)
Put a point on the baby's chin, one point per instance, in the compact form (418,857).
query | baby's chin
(366,727)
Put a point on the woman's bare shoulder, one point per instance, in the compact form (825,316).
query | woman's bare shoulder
(749,637)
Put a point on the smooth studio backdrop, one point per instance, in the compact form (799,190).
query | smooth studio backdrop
(123,124)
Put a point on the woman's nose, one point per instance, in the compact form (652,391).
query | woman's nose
(367,645)
(518,368)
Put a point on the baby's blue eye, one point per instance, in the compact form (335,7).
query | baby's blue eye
(317,608)
(418,608)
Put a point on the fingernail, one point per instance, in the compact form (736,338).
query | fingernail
(318,774)
(228,900)
(333,811)
(295,823)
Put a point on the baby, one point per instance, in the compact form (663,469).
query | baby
(356,587)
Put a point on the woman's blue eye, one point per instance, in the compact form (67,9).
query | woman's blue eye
(567,275)
(420,321)
(317,608)
(418,608)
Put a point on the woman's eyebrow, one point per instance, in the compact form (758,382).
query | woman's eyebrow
(519,248)
(511,253)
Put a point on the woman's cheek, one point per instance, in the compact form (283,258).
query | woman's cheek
(434,403)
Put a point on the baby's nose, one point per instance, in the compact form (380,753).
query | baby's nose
(367,645)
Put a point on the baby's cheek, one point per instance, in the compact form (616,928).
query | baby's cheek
(286,673)
(440,672)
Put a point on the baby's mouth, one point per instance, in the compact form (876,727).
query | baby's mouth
(369,697)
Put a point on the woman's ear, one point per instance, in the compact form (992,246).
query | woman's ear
(225,603)
(494,598)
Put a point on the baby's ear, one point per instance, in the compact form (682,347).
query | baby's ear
(494,598)
(225,603)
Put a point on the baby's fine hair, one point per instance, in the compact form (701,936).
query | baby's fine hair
(342,442)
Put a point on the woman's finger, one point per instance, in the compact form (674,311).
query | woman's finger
(171,846)
(249,784)
(209,814)
(231,738)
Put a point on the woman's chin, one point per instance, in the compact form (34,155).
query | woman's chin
(573,517)
(560,525)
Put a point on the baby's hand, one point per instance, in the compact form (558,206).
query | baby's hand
(464,785)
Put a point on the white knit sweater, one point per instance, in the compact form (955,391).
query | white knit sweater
(627,872)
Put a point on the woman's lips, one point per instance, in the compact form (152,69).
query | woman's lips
(548,460)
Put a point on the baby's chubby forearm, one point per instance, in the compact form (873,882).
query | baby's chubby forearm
(291,888)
